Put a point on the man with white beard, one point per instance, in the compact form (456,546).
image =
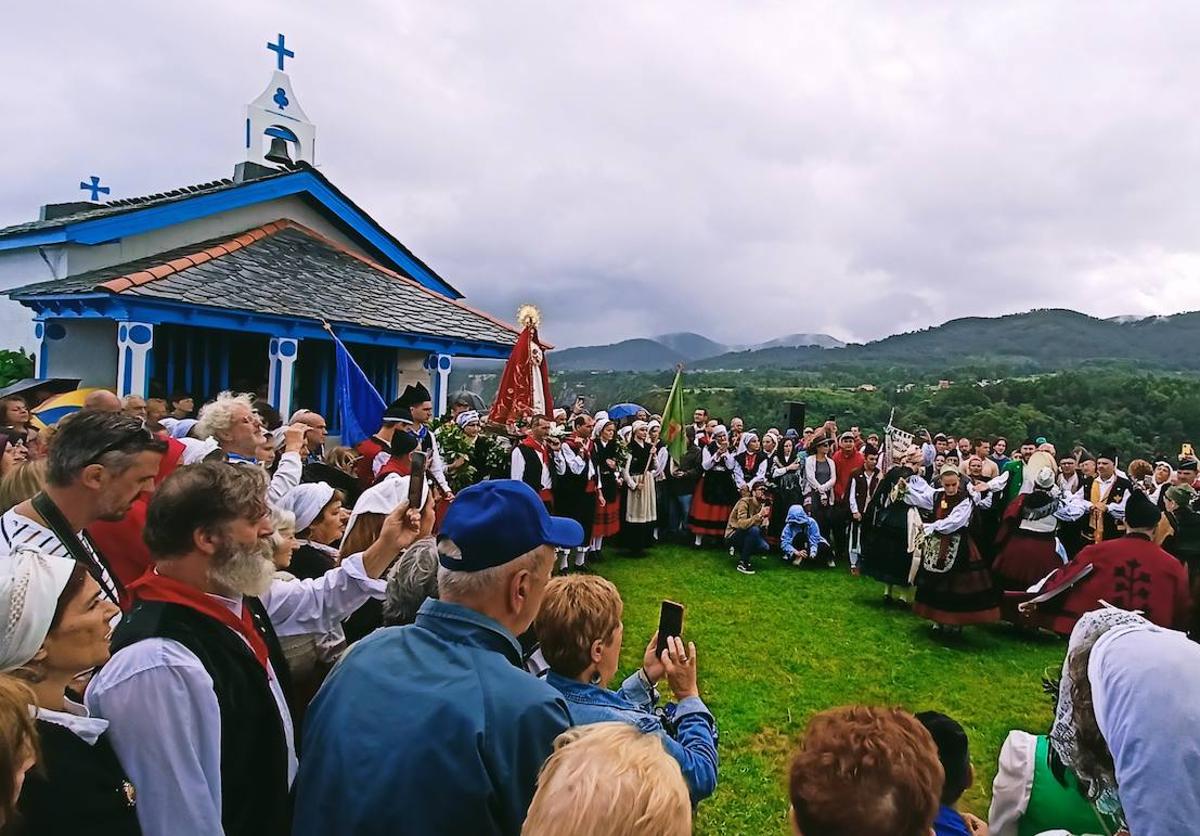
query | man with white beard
(196,691)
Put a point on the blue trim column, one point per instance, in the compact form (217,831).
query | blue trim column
(39,334)
(439,377)
(282,352)
(134,341)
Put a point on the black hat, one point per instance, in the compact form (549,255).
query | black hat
(1186,463)
(413,395)
(870,450)
(1109,454)
(1140,512)
(403,443)
(1035,501)
(397,413)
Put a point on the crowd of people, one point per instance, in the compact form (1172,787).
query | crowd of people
(216,622)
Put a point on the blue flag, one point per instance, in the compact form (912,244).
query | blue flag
(360,408)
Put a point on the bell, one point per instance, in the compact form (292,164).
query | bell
(278,152)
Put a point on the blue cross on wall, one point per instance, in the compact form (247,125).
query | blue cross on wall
(95,188)
(281,51)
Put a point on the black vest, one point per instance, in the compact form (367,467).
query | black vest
(254,785)
(78,788)
(533,467)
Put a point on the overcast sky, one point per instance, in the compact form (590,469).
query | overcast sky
(742,169)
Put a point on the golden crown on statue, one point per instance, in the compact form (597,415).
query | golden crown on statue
(528,316)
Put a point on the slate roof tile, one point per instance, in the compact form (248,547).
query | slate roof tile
(287,269)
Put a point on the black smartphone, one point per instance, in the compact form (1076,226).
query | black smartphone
(670,623)
(416,480)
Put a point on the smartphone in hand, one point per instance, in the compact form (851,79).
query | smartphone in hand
(670,623)
(416,481)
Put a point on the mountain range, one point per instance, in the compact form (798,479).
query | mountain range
(1038,339)
(665,350)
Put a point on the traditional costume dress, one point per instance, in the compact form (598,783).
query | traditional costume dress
(863,485)
(641,502)
(1129,572)
(575,491)
(607,519)
(954,586)
(1028,545)
(534,464)
(751,467)
(889,526)
(716,494)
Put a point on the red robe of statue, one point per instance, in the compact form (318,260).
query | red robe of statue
(525,373)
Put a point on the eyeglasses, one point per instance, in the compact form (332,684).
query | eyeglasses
(124,440)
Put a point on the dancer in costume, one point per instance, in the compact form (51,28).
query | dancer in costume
(717,493)
(954,586)
(606,456)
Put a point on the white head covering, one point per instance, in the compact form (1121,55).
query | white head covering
(602,415)
(599,427)
(1088,630)
(720,429)
(745,439)
(383,498)
(30,583)
(1144,682)
(195,450)
(637,425)
(655,423)
(182,427)
(306,502)
(466,417)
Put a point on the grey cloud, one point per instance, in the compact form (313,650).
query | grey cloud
(741,169)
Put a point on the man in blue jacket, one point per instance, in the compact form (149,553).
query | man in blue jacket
(436,727)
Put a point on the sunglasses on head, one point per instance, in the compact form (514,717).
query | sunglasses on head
(122,441)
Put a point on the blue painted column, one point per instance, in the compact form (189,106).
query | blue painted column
(439,377)
(282,353)
(134,341)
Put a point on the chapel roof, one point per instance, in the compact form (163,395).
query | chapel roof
(117,218)
(286,269)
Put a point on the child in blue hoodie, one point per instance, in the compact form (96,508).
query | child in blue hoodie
(801,539)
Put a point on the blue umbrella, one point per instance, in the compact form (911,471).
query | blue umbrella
(623,410)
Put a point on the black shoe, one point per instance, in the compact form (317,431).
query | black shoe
(745,568)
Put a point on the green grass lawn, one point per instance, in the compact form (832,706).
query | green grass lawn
(775,647)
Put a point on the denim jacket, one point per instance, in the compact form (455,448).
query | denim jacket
(694,745)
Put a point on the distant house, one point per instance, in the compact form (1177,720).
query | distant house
(866,387)
(230,284)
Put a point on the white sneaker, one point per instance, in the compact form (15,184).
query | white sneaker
(744,569)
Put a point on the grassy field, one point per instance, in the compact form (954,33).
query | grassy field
(776,647)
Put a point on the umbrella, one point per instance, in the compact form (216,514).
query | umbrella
(468,397)
(624,410)
(50,385)
(60,406)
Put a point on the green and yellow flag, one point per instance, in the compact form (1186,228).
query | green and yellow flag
(675,419)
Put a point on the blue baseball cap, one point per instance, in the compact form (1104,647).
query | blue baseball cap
(499,520)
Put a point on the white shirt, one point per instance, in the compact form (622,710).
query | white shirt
(19,530)
(557,465)
(76,720)
(164,720)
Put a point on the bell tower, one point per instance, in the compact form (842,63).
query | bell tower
(278,133)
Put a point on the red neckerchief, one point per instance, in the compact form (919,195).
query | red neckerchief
(750,457)
(582,448)
(542,451)
(155,587)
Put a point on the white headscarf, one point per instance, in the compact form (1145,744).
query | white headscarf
(466,417)
(745,439)
(305,502)
(720,430)
(599,427)
(196,451)
(637,425)
(182,427)
(1144,684)
(383,498)
(625,433)
(30,583)
(1089,630)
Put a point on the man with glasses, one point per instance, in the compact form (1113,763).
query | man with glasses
(99,463)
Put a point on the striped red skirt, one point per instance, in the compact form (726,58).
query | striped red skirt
(706,519)
(608,518)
